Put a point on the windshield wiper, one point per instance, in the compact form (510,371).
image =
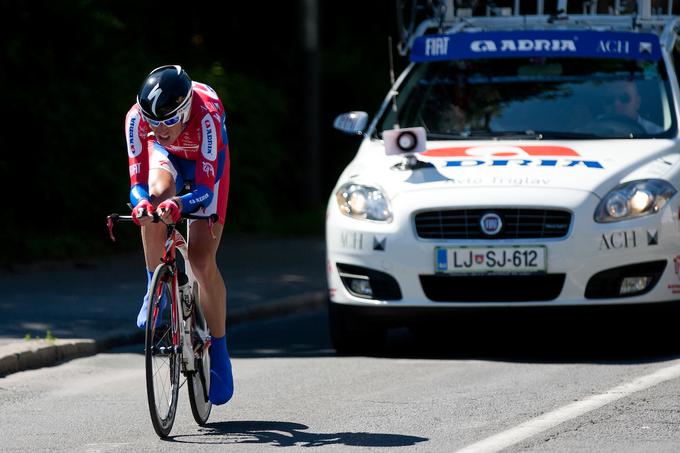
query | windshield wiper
(448,136)
(492,135)
(567,135)
(528,134)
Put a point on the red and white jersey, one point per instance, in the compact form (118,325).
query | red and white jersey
(203,138)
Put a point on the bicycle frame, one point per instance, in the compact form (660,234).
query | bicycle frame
(175,241)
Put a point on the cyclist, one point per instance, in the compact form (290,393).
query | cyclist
(176,135)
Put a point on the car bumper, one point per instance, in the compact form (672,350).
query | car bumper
(586,267)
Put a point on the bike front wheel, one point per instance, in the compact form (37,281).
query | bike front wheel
(162,351)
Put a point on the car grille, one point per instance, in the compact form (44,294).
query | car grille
(517,224)
(492,288)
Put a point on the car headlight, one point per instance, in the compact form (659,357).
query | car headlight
(634,199)
(363,202)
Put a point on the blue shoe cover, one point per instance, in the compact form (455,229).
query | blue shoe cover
(221,379)
(141,316)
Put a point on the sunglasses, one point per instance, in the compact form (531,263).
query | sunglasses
(170,121)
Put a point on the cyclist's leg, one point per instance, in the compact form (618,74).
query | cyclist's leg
(213,298)
(202,256)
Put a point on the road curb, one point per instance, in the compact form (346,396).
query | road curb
(32,354)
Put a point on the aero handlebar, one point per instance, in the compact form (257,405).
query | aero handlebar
(113,218)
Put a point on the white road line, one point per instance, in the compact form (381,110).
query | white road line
(549,420)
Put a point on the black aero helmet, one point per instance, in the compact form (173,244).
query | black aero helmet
(165,92)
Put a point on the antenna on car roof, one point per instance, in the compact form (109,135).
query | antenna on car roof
(393,92)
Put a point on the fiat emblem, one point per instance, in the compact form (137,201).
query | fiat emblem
(491,223)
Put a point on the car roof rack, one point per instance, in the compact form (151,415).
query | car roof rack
(452,16)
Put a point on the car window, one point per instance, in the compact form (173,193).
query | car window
(560,97)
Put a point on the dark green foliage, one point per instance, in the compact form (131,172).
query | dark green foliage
(69,72)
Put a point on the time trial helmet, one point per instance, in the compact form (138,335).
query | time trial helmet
(165,96)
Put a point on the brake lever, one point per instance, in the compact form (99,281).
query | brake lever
(109,223)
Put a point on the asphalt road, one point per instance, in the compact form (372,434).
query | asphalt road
(440,393)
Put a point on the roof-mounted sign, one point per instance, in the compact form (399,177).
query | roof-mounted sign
(536,43)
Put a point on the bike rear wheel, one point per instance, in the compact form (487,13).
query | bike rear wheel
(198,393)
(162,351)
(199,382)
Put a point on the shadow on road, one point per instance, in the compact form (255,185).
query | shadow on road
(536,337)
(288,434)
(302,335)
(616,335)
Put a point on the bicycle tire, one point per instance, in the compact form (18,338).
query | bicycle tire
(162,352)
(199,381)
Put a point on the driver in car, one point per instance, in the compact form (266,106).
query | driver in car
(623,99)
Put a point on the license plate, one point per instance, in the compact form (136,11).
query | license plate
(468,260)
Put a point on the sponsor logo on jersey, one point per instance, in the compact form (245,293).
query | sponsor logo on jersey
(208,148)
(134,144)
(208,169)
(199,199)
(135,169)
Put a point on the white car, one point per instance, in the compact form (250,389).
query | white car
(519,161)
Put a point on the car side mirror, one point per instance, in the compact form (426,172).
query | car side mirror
(352,123)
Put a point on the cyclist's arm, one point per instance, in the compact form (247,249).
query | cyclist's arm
(139,192)
(200,197)
(206,166)
(138,157)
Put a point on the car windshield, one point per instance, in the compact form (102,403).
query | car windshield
(535,98)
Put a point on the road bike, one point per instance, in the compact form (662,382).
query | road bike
(177,338)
